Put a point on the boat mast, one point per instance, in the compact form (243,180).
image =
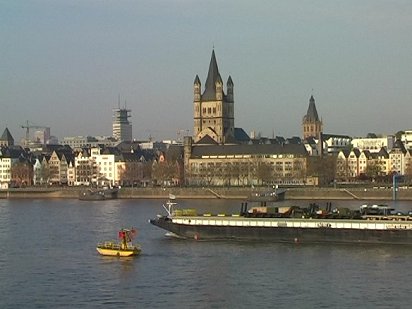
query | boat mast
(169,205)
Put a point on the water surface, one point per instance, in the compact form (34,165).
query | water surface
(48,260)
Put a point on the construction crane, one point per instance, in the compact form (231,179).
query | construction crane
(29,126)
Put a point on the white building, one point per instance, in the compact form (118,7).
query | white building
(106,166)
(406,139)
(79,142)
(333,143)
(374,145)
(5,172)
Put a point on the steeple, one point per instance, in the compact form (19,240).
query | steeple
(213,77)
(197,80)
(6,139)
(311,125)
(312,114)
(229,87)
(213,111)
(196,89)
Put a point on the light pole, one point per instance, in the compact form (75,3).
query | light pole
(395,186)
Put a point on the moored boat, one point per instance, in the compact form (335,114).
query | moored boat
(98,194)
(272,195)
(289,224)
(122,248)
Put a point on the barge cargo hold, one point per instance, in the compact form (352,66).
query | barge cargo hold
(363,229)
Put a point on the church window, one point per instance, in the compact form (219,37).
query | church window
(214,110)
(209,110)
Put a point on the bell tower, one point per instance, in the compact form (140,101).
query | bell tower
(311,125)
(213,109)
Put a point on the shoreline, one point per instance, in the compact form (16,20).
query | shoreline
(383,194)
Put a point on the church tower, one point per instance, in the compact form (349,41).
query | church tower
(213,110)
(311,125)
(6,139)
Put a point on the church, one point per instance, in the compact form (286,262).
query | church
(214,119)
(220,154)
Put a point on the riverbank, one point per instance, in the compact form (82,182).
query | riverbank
(214,193)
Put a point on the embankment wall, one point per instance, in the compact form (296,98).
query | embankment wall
(213,193)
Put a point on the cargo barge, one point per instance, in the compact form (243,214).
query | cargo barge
(375,224)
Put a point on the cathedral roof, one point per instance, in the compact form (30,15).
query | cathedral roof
(213,76)
(207,140)
(241,135)
(312,114)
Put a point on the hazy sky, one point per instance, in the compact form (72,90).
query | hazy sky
(63,63)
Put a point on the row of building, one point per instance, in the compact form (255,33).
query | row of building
(218,152)
(259,162)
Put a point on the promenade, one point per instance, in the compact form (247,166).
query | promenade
(216,193)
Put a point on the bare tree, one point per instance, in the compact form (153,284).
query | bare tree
(264,173)
(373,170)
(322,167)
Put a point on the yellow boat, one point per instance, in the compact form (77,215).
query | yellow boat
(122,248)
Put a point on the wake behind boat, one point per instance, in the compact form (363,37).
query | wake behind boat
(122,248)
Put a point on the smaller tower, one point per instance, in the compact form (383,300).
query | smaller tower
(229,87)
(6,139)
(311,125)
(197,105)
(197,89)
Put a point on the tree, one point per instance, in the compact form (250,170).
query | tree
(408,172)
(264,173)
(208,172)
(373,170)
(322,167)
(163,172)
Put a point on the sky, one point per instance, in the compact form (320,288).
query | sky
(65,64)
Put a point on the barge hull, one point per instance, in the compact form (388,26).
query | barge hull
(401,236)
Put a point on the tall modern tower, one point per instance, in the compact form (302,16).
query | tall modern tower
(122,127)
(311,125)
(213,110)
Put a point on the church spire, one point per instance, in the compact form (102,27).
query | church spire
(213,77)
(312,114)
(312,126)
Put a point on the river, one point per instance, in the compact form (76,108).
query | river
(49,260)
